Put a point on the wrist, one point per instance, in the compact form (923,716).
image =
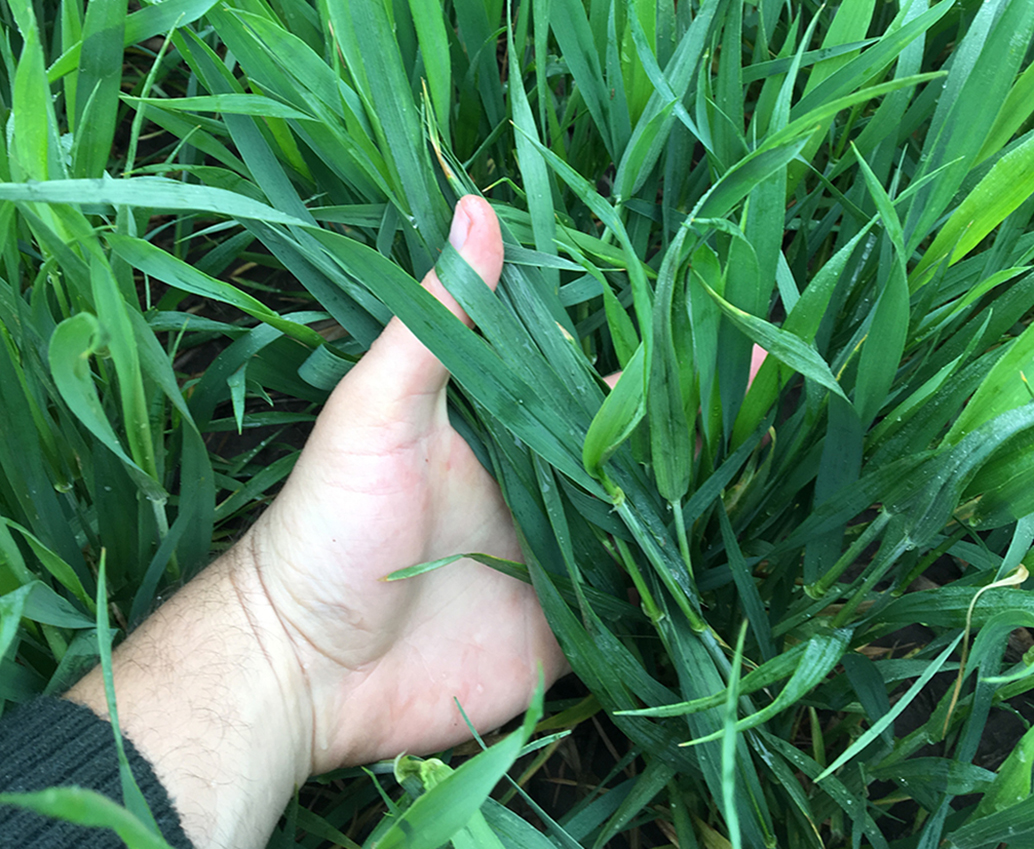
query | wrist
(317,644)
(209,692)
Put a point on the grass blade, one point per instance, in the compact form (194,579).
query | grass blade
(98,86)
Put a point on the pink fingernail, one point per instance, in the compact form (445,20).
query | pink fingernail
(460,228)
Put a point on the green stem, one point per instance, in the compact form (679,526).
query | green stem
(680,531)
(649,546)
(649,605)
(923,564)
(823,584)
(876,573)
(162,521)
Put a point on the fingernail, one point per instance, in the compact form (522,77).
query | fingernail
(460,228)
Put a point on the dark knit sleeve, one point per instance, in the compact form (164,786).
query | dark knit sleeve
(53,742)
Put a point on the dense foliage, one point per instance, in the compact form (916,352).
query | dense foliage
(847,186)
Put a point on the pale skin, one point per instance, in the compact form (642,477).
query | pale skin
(289,655)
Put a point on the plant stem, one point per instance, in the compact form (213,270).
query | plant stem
(649,605)
(163,529)
(823,584)
(680,532)
(925,562)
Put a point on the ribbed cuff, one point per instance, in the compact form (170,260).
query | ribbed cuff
(52,742)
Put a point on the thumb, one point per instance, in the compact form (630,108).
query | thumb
(398,369)
(475,234)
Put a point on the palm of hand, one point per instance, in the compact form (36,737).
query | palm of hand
(385,483)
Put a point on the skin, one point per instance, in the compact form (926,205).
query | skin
(289,656)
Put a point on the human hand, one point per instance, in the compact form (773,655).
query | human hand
(384,483)
(289,655)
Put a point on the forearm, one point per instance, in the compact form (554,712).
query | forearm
(205,692)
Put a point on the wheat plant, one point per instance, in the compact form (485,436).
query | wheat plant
(848,187)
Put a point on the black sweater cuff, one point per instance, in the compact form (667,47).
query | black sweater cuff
(52,742)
